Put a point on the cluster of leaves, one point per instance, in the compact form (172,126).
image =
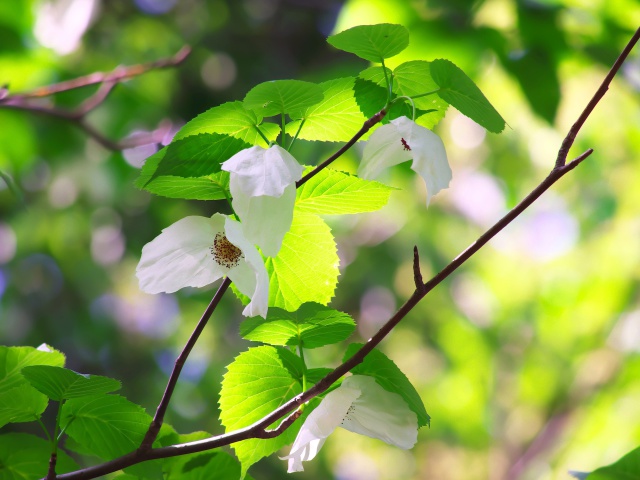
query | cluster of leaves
(303,276)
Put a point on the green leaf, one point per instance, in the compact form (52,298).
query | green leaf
(311,326)
(370,91)
(459,90)
(209,187)
(257,382)
(626,468)
(201,466)
(389,377)
(277,97)
(21,404)
(332,192)
(314,375)
(198,155)
(336,118)
(306,268)
(107,426)
(537,73)
(231,119)
(414,78)
(372,42)
(59,383)
(14,359)
(24,457)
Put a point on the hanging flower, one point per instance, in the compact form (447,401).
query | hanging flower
(362,406)
(401,140)
(263,188)
(196,251)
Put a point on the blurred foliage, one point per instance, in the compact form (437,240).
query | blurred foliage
(527,358)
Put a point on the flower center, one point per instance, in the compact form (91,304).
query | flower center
(224,252)
(405,145)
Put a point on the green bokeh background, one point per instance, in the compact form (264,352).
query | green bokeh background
(527,358)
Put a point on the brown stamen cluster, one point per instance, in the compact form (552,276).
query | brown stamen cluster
(349,412)
(224,252)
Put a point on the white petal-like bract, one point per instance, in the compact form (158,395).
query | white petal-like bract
(180,256)
(378,413)
(196,251)
(361,406)
(319,425)
(262,185)
(400,140)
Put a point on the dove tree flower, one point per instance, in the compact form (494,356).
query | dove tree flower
(196,251)
(400,140)
(262,185)
(361,406)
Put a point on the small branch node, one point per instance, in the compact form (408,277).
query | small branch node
(286,423)
(417,275)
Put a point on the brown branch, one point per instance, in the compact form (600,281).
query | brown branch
(365,128)
(118,75)
(259,428)
(604,86)
(156,423)
(77,116)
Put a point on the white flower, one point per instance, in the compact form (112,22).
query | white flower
(361,406)
(263,188)
(196,251)
(401,140)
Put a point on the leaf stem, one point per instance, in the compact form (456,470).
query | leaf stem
(284,131)
(432,92)
(386,79)
(266,140)
(410,100)
(297,133)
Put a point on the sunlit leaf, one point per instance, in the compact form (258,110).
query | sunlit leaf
(372,42)
(14,359)
(336,118)
(332,192)
(277,97)
(414,78)
(232,119)
(306,268)
(257,382)
(311,326)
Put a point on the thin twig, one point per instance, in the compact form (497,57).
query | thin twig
(118,75)
(77,116)
(604,86)
(154,428)
(365,128)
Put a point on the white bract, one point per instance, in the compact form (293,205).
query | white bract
(196,251)
(263,187)
(400,140)
(362,406)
